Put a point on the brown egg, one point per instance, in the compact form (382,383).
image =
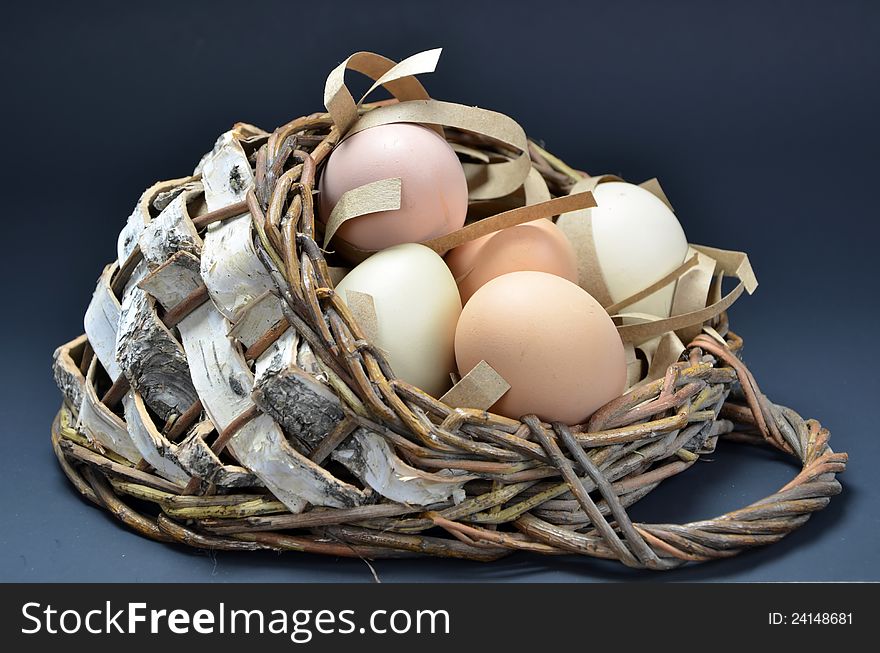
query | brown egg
(433,193)
(539,246)
(550,340)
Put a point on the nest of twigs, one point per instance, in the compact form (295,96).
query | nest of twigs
(219,417)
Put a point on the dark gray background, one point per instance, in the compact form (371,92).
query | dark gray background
(759,118)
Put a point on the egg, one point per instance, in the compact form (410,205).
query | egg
(433,194)
(538,246)
(637,241)
(417,307)
(549,339)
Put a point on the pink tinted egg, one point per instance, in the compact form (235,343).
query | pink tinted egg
(434,194)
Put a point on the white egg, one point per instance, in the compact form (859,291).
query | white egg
(638,240)
(417,308)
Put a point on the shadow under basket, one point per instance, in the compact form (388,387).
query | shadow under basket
(334,455)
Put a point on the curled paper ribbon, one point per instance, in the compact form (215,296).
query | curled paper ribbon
(382,195)
(510,218)
(485,180)
(692,291)
(363,309)
(578,227)
(731,264)
(397,78)
(664,281)
(696,299)
(667,350)
(488,177)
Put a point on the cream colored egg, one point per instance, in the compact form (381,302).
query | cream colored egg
(637,240)
(417,308)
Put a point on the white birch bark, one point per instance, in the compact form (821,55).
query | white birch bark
(255,319)
(150,443)
(230,267)
(195,456)
(68,378)
(172,230)
(99,423)
(370,458)
(102,321)
(149,354)
(141,215)
(224,382)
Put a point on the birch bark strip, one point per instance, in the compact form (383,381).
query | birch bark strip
(100,424)
(102,321)
(172,230)
(150,356)
(230,267)
(151,444)
(141,215)
(369,457)
(224,383)
(66,372)
(196,457)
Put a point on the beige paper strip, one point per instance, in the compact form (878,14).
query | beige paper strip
(486,181)
(382,195)
(667,352)
(715,287)
(510,218)
(578,228)
(647,350)
(730,263)
(692,291)
(418,64)
(472,152)
(363,309)
(535,188)
(338,99)
(589,183)
(633,365)
(337,274)
(480,388)
(652,185)
(675,275)
(579,231)
(489,180)
(714,334)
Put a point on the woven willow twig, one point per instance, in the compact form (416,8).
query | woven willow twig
(490,485)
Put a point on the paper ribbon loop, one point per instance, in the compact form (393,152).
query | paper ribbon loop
(485,180)
(664,281)
(397,78)
(729,263)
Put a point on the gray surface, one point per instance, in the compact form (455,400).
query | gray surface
(760,122)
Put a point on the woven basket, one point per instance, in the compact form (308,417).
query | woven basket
(330,453)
